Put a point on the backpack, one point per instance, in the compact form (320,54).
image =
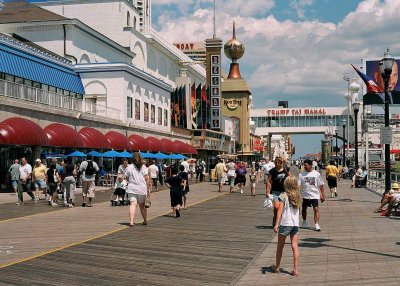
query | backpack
(90,170)
(241,171)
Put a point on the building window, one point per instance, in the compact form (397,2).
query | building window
(165,117)
(129,107)
(128,19)
(159,113)
(146,112)
(137,109)
(153,114)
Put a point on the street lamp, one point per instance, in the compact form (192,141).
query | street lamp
(356,108)
(386,65)
(344,143)
(336,132)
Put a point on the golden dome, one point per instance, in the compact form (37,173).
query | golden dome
(234,49)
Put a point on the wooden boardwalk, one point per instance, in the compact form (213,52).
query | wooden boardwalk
(211,244)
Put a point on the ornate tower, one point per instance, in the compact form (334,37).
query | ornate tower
(235,94)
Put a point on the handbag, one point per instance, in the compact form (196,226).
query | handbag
(147,203)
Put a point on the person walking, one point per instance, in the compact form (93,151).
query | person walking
(160,173)
(220,170)
(175,185)
(88,169)
(139,187)
(231,167)
(274,187)
(241,176)
(199,171)
(69,183)
(185,185)
(266,168)
(253,181)
(332,176)
(39,176)
(14,174)
(312,190)
(153,173)
(287,222)
(25,181)
(53,178)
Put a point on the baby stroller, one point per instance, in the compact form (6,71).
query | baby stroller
(119,197)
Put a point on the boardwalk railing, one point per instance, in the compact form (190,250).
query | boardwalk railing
(376,180)
(44,97)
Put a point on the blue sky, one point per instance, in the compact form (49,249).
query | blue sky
(296,50)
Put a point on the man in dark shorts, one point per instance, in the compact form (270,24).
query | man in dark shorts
(312,190)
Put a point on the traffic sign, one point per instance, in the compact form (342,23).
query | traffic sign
(386,135)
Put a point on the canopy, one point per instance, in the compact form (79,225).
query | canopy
(21,131)
(118,141)
(76,154)
(394,151)
(177,156)
(112,154)
(146,155)
(155,145)
(96,154)
(169,146)
(161,156)
(61,135)
(138,143)
(93,138)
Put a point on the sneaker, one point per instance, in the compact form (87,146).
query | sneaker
(332,195)
(70,205)
(317,227)
(304,225)
(54,205)
(177,213)
(49,203)
(18,204)
(335,194)
(241,191)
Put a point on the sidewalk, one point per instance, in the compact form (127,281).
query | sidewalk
(355,246)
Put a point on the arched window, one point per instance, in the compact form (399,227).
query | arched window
(134,23)
(128,19)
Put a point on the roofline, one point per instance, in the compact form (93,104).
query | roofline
(71,2)
(129,68)
(80,25)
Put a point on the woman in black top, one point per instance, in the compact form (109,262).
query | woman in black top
(69,183)
(185,188)
(174,183)
(52,180)
(274,186)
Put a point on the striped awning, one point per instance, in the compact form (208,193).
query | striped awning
(19,63)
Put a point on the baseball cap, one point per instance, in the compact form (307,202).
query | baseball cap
(38,160)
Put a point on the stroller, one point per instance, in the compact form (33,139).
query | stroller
(119,196)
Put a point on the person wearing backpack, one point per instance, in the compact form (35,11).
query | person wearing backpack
(88,169)
(53,178)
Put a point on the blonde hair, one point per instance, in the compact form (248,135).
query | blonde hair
(293,191)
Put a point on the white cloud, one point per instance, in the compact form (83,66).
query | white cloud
(300,61)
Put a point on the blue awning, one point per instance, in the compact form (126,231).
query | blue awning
(19,63)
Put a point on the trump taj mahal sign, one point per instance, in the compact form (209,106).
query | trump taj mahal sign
(296,111)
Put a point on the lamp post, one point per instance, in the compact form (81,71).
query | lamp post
(336,132)
(356,109)
(386,65)
(344,143)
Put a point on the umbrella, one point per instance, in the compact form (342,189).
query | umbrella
(76,154)
(145,155)
(160,155)
(112,154)
(95,154)
(126,154)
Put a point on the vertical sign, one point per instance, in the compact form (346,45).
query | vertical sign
(215,73)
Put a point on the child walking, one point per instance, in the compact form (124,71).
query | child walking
(174,183)
(287,222)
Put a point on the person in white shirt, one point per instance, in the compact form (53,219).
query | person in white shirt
(119,190)
(287,222)
(153,173)
(139,187)
(25,180)
(186,165)
(122,167)
(312,190)
(266,168)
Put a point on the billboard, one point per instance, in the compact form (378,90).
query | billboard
(372,70)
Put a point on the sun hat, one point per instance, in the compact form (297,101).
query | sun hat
(395,186)
(38,160)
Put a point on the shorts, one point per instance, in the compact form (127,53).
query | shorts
(332,182)
(139,199)
(309,203)
(14,183)
(52,189)
(88,189)
(288,230)
(231,180)
(40,183)
(275,195)
(220,179)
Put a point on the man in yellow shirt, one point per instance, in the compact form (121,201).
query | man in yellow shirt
(332,176)
(220,170)
(39,175)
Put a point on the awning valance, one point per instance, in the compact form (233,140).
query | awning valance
(118,141)
(155,145)
(138,143)
(93,138)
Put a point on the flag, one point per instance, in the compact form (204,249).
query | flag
(372,87)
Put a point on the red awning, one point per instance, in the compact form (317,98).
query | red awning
(170,146)
(118,141)
(93,138)
(191,149)
(155,145)
(61,135)
(20,131)
(138,143)
(394,151)
(182,147)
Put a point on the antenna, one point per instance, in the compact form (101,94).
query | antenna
(215,34)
